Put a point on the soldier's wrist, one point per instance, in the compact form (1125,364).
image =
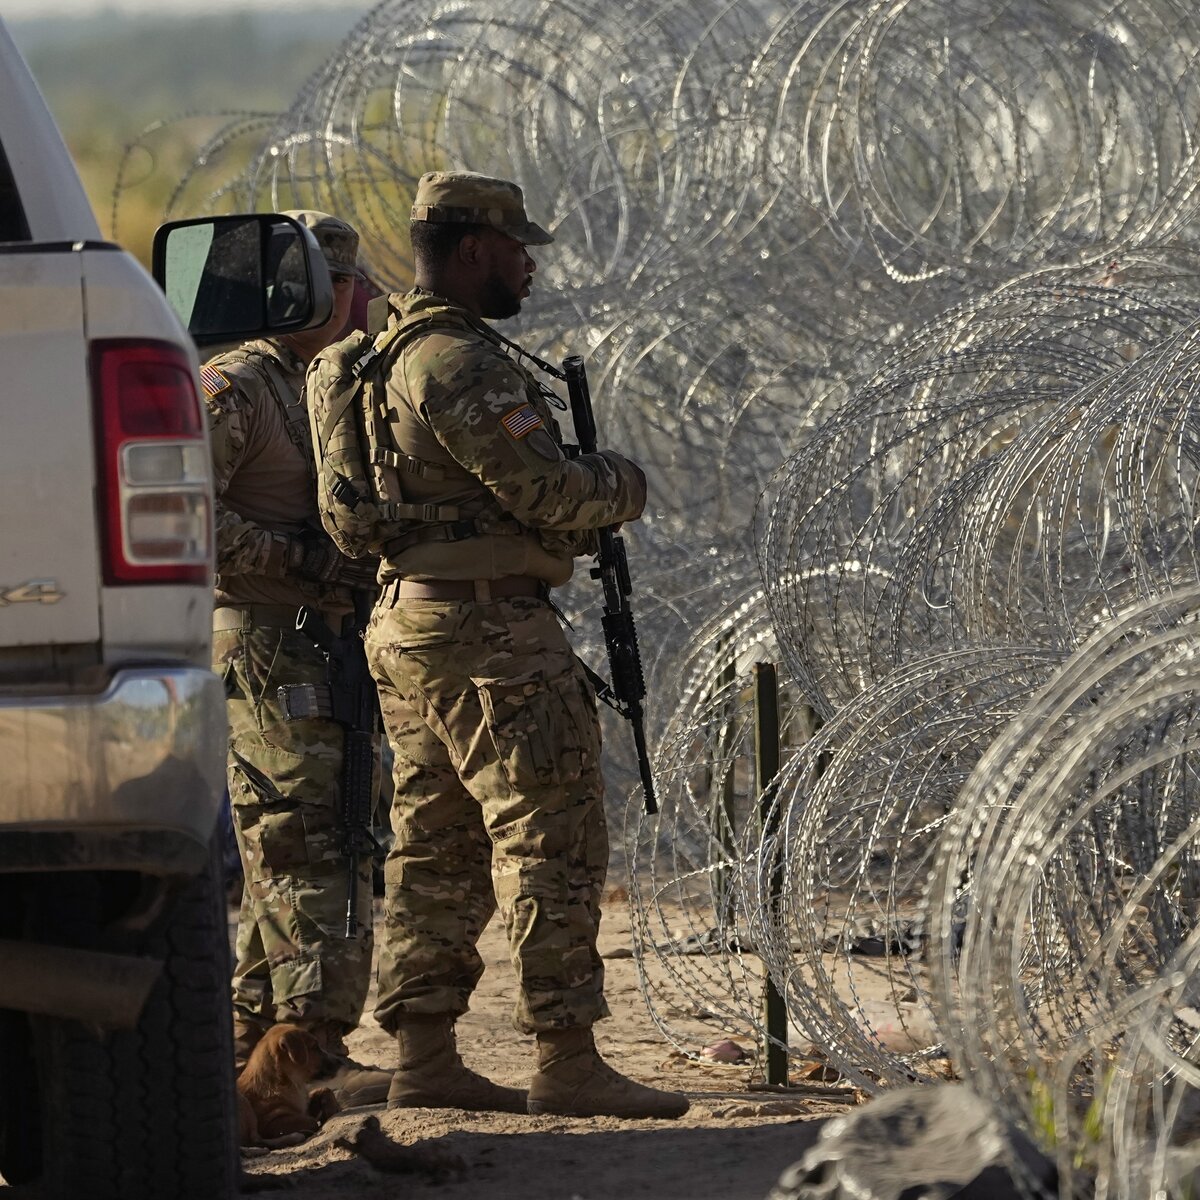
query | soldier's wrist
(284,555)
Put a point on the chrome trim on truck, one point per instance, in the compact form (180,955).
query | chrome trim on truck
(146,755)
(32,591)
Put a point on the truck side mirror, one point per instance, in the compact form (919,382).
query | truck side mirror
(235,277)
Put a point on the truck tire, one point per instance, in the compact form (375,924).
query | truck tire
(20,1123)
(149,1112)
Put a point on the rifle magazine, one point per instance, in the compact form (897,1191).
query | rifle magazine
(305,701)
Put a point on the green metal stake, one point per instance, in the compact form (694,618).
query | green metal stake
(724,807)
(766,763)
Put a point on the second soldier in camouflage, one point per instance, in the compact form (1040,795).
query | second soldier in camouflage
(293,962)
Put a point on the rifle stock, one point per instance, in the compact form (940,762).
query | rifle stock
(352,702)
(628,686)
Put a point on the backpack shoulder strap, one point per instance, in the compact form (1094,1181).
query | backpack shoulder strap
(379,354)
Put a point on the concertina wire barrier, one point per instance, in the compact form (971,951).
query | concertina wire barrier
(898,305)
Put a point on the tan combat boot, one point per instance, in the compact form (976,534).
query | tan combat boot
(354,1084)
(572,1080)
(247,1033)
(432,1075)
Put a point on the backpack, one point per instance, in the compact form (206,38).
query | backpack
(359,497)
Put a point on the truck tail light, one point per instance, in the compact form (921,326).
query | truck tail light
(156,522)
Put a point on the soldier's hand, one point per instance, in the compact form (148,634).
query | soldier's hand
(314,557)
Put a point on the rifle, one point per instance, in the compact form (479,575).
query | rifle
(350,699)
(628,687)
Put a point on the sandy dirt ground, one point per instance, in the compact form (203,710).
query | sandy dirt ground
(732,1145)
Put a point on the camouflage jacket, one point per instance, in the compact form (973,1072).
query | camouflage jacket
(264,475)
(482,435)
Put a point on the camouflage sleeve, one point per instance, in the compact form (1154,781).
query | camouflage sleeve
(477,403)
(242,547)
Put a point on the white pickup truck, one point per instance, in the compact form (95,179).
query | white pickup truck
(115,1057)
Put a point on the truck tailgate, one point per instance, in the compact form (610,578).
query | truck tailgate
(48,555)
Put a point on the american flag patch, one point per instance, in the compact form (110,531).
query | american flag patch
(214,382)
(521,421)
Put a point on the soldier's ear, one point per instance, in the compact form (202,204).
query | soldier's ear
(470,250)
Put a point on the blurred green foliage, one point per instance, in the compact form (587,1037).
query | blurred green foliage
(110,76)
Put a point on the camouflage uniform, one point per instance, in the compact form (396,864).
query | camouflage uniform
(498,795)
(292,960)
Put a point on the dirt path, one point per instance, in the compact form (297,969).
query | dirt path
(732,1145)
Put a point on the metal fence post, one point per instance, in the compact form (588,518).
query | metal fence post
(766,764)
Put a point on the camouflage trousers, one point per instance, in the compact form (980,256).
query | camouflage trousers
(498,799)
(292,959)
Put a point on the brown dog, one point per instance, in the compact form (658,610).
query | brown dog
(274,1104)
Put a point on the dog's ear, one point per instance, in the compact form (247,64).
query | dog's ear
(294,1046)
(302,1048)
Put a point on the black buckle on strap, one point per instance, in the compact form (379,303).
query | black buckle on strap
(344,492)
(457,531)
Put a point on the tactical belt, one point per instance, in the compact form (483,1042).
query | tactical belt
(452,531)
(482,591)
(250,616)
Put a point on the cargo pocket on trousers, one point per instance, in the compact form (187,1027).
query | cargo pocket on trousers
(276,838)
(543,730)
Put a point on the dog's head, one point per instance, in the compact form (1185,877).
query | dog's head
(296,1050)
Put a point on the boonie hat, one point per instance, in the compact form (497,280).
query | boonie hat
(338,241)
(446,196)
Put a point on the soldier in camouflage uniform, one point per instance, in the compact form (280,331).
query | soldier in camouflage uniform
(499,796)
(293,963)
